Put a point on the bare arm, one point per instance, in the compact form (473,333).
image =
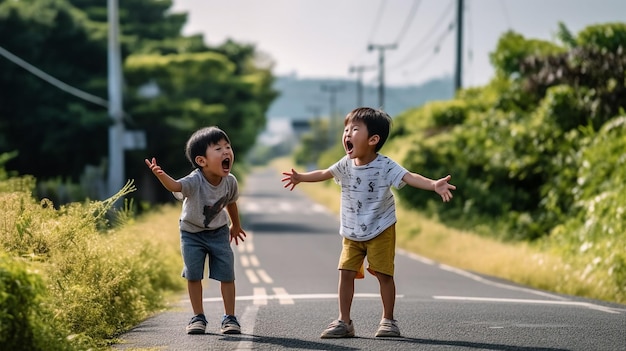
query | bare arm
(168,182)
(293,178)
(236,232)
(440,186)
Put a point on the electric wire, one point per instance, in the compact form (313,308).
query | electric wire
(506,13)
(419,46)
(379,13)
(51,80)
(408,21)
(436,47)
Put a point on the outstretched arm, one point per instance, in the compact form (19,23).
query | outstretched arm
(440,186)
(293,178)
(168,182)
(236,232)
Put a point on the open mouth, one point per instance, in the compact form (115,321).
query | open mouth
(226,164)
(349,146)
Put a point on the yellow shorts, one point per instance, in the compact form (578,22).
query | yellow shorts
(380,252)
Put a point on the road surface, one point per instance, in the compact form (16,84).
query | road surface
(287,294)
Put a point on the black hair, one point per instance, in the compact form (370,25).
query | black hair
(200,140)
(377,121)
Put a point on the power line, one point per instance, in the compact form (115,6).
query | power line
(435,48)
(418,47)
(408,21)
(55,82)
(506,14)
(379,13)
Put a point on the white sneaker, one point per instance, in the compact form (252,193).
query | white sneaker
(338,329)
(388,328)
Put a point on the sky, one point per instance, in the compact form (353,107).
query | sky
(326,38)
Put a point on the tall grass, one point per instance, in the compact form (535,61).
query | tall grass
(99,279)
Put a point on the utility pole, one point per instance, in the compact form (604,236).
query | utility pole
(359,82)
(332,90)
(458,72)
(116,131)
(381,70)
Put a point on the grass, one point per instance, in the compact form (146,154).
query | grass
(520,262)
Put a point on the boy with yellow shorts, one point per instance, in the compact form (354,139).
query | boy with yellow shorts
(368,213)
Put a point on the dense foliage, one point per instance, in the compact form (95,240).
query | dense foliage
(173,85)
(538,152)
(69,280)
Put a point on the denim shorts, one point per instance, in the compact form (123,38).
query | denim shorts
(195,247)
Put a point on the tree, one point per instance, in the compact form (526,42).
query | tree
(229,85)
(45,125)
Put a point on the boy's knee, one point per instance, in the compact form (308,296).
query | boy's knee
(383,277)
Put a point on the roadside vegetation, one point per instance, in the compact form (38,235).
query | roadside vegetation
(538,158)
(74,277)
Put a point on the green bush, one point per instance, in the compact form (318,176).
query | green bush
(93,279)
(26,321)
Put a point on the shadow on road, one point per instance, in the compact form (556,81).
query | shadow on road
(392,343)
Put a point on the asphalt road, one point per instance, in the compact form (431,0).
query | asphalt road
(287,294)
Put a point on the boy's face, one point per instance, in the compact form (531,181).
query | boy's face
(356,141)
(218,160)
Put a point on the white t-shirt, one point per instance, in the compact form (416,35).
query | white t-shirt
(204,203)
(367,203)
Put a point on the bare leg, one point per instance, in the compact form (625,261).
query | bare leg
(387,293)
(228,296)
(346,294)
(195,295)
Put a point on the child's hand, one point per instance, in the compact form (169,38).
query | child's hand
(442,187)
(237,234)
(292,179)
(156,169)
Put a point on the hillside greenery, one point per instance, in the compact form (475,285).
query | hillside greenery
(538,153)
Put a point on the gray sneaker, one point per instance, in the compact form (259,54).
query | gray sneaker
(338,329)
(197,324)
(388,328)
(230,325)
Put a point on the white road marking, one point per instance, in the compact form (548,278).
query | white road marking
(245,261)
(251,276)
(297,297)
(247,320)
(529,301)
(283,296)
(479,278)
(249,247)
(264,276)
(285,207)
(260,296)
(254,260)
(319,208)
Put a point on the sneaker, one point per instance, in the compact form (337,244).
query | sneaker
(230,325)
(197,324)
(338,329)
(388,328)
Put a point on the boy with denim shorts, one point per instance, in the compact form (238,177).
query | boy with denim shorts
(368,214)
(209,194)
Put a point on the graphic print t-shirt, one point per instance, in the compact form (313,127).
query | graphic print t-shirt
(367,203)
(204,203)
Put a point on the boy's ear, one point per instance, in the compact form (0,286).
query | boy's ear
(200,161)
(374,139)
